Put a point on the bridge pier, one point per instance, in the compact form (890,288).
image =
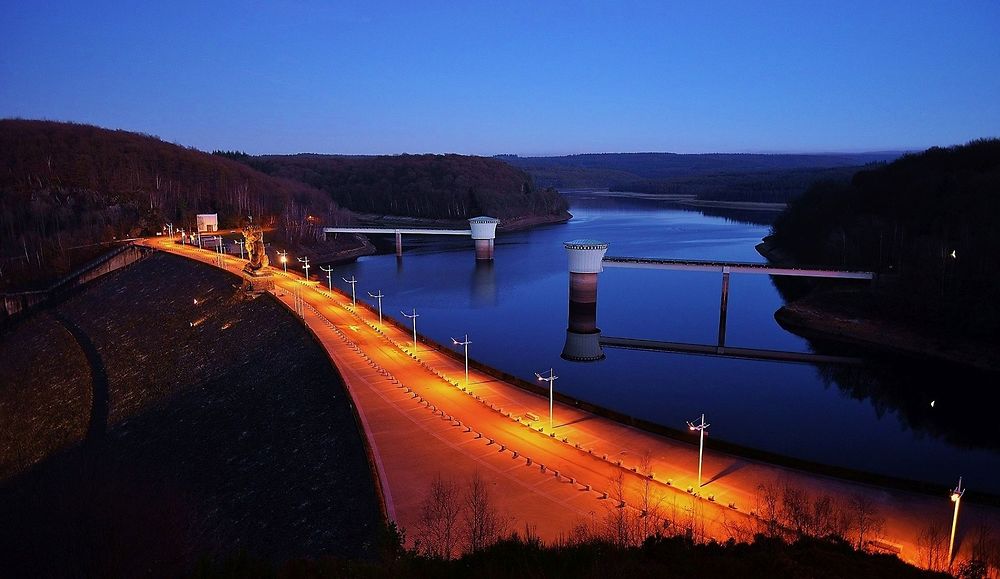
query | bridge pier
(582,334)
(484,231)
(399,244)
(723,309)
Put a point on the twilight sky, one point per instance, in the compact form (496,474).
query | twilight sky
(510,77)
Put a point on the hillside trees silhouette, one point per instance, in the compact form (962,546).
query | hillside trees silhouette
(926,223)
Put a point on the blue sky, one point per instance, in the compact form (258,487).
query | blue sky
(510,77)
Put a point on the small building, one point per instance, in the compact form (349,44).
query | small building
(208,222)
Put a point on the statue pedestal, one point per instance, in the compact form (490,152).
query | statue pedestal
(257,282)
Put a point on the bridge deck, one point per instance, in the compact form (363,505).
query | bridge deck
(394,230)
(731,267)
(725,351)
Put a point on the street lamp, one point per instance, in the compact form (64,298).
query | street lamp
(305,261)
(700,427)
(379,296)
(284,260)
(413,317)
(551,379)
(329,275)
(956,497)
(466,344)
(354,297)
(241,243)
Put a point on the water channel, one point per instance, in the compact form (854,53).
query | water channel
(877,419)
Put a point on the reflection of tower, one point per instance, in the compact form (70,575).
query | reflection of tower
(582,336)
(484,284)
(484,230)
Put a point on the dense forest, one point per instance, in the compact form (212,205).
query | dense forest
(67,190)
(424,186)
(926,222)
(768,187)
(711,176)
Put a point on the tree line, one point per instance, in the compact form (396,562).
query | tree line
(425,186)
(926,223)
(68,190)
(790,533)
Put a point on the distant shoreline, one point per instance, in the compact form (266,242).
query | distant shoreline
(515,224)
(684,200)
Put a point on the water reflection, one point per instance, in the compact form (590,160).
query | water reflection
(484,284)
(516,311)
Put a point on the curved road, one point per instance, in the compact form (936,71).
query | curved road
(421,422)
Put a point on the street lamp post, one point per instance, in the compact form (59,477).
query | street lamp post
(329,275)
(242,244)
(379,296)
(284,260)
(956,497)
(354,297)
(551,379)
(413,317)
(465,343)
(305,266)
(701,427)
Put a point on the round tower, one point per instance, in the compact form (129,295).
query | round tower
(582,334)
(484,231)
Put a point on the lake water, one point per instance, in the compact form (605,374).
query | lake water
(515,313)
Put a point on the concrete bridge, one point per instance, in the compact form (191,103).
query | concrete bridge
(583,338)
(481,229)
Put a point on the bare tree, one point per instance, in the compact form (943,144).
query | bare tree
(985,548)
(738,528)
(650,512)
(618,525)
(767,509)
(484,525)
(865,519)
(825,517)
(931,547)
(795,511)
(438,518)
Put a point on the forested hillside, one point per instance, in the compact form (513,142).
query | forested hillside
(67,188)
(927,222)
(710,176)
(425,186)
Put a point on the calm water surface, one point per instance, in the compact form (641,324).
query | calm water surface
(515,313)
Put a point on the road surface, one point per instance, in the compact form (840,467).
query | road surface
(421,421)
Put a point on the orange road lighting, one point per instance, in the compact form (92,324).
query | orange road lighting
(551,380)
(379,297)
(701,427)
(956,497)
(465,343)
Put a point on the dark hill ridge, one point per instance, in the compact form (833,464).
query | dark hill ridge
(65,185)
(232,434)
(744,177)
(928,224)
(448,187)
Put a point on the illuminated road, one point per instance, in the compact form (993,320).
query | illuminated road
(420,422)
